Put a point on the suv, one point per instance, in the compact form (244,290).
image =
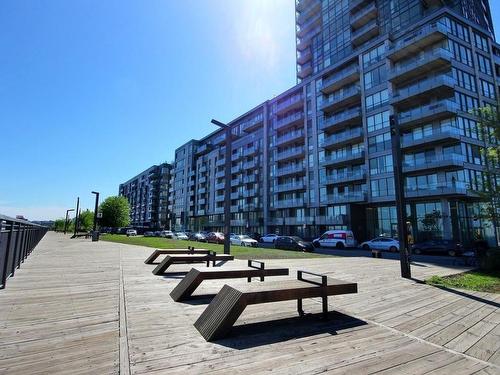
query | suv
(131,232)
(167,234)
(450,247)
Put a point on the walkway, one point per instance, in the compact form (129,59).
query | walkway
(77,307)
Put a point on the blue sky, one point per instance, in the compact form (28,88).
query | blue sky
(93,92)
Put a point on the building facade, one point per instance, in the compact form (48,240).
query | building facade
(318,156)
(148,195)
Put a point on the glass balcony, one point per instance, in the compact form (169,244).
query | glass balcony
(304,56)
(291,153)
(297,185)
(219,186)
(236,169)
(296,101)
(250,151)
(292,169)
(304,28)
(417,41)
(236,195)
(355,5)
(340,79)
(219,198)
(422,64)
(451,161)
(249,193)
(219,174)
(349,117)
(446,188)
(289,137)
(345,158)
(443,86)
(339,139)
(249,179)
(236,182)
(431,112)
(304,70)
(220,162)
(365,33)
(286,203)
(340,178)
(364,15)
(290,120)
(342,98)
(253,123)
(347,197)
(446,133)
(250,164)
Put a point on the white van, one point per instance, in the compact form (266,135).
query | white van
(336,238)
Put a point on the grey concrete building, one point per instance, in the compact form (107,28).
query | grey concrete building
(318,156)
(148,195)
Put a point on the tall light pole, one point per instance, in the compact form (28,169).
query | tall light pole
(66,221)
(227,185)
(400,198)
(96,208)
(76,216)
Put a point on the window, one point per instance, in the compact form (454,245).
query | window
(383,187)
(378,121)
(376,100)
(382,164)
(461,53)
(379,142)
(464,80)
(488,89)
(484,64)
(375,77)
(481,42)
(466,102)
(424,182)
(373,56)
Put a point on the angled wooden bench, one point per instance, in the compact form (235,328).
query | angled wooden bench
(212,256)
(221,314)
(190,250)
(195,277)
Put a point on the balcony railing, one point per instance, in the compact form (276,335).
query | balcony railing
(434,111)
(297,168)
(341,97)
(347,197)
(297,202)
(340,138)
(417,41)
(292,119)
(365,33)
(439,161)
(289,137)
(364,15)
(340,78)
(290,153)
(290,102)
(343,118)
(339,178)
(446,132)
(297,185)
(443,83)
(343,158)
(446,188)
(428,61)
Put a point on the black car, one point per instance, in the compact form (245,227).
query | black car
(293,243)
(450,247)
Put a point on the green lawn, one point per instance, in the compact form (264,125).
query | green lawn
(239,252)
(473,280)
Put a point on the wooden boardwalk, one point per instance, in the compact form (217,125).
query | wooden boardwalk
(77,307)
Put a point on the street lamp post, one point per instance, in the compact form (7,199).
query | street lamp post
(400,199)
(227,185)
(66,221)
(96,208)
(76,216)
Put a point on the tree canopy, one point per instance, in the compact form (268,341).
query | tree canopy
(115,212)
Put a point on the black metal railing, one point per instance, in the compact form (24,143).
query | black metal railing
(18,238)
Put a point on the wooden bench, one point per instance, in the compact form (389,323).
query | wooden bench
(190,250)
(221,314)
(212,256)
(195,277)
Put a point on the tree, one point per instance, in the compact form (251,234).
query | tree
(59,225)
(86,221)
(115,212)
(489,131)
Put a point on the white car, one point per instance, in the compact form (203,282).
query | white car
(181,236)
(131,232)
(242,240)
(339,239)
(167,234)
(381,243)
(269,238)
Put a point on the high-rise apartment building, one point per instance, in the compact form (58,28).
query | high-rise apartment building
(318,156)
(148,196)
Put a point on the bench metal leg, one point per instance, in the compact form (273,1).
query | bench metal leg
(299,307)
(325,307)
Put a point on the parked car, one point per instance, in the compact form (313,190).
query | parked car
(198,236)
(450,247)
(215,237)
(269,238)
(293,243)
(336,238)
(158,233)
(167,234)
(131,232)
(181,236)
(243,240)
(149,234)
(381,243)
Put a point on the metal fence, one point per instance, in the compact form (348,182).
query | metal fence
(18,238)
